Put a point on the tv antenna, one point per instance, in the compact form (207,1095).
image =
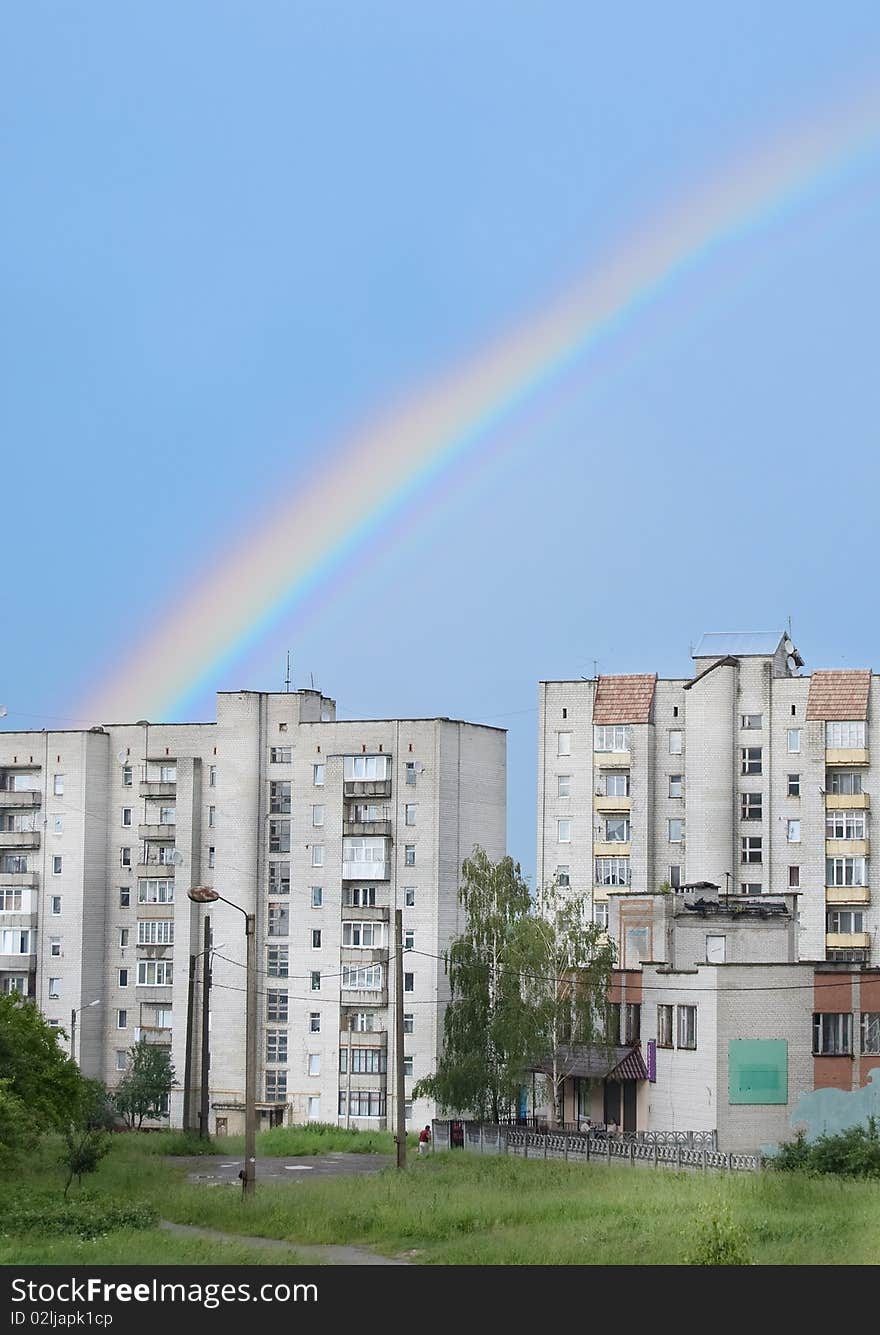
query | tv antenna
(287,678)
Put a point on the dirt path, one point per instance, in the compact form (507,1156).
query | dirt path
(323,1254)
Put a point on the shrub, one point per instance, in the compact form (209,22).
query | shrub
(854,1152)
(719,1241)
(84,1217)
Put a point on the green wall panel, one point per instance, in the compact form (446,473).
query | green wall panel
(758,1070)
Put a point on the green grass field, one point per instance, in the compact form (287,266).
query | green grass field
(460,1209)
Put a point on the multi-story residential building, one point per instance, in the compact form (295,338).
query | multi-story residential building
(318,827)
(748,775)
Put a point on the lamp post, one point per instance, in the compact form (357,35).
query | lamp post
(73,1014)
(205,894)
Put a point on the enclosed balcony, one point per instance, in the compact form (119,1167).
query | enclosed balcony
(847,894)
(366,858)
(19,838)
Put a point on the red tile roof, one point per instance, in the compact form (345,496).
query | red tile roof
(625,699)
(839,694)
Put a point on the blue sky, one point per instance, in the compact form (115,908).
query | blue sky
(232,231)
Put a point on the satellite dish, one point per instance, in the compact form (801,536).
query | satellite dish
(177,858)
(3,711)
(122,756)
(788,646)
(792,664)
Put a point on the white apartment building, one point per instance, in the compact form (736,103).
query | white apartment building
(318,827)
(749,775)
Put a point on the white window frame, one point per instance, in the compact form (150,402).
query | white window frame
(675,826)
(676,742)
(609,738)
(686,1027)
(845,735)
(563,830)
(794,741)
(793,830)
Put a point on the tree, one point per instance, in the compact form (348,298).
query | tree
(148,1081)
(85,1139)
(489,1027)
(40,1084)
(567,984)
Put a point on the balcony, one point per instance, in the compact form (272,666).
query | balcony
(847,755)
(18,963)
(19,878)
(366,871)
(367,827)
(363,1038)
(847,940)
(363,998)
(19,839)
(10,801)
(154,1034)
(610,759)
(603,803)
(613,850)
(366,788)
(847,848)
(847,894)
(154,868)
(157,788)
(363,954)
(366,912)
(164,832)
(847,802)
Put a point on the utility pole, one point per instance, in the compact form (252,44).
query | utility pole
(250,1073)
(400,1118)
(204,1110)
(187,1071)
(73,1035)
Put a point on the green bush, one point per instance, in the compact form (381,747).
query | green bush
(86,1217)
(718,1240)
(854,1152)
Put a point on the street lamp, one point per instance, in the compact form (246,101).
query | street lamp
(73,1014)
(205,894)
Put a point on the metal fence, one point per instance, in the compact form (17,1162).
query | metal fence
(676,1151)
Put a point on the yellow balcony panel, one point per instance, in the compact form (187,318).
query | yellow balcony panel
(847,940)
(847,848)
(612,759)
(601,850)
(612,803)
(600,892)
(840,802)
(847,894)
(847,755)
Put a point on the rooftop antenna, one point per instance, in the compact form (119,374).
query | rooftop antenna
(312,679)
(287,678)
(596,668)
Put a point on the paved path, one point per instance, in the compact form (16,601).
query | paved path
(326,1254)
(225,1167)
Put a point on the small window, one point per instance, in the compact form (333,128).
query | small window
(58,824)
(794,877)
(409,896)
(56,906)
(211,857)
(410,813)
(563,785)
(314,1063)
(125,896)
(409,855)
(750,887)
(563,874)
(212,776)
(675,785)
(675,876)
(317,896)
(716,949)
(675,742)
(794,831)
(126,815)
(124,937)
(409,939)
(687,1027)
(411,772)
(314,1113)
(832,1034)
(125,857)
(407,1065)
(318,776)
(870,1032)
(408,1027)
(122,975)
(55,947)
(314,1022)
(212,817)
(676,830)
(563,743)
(279,755)
(58,785)
(121,1060)
(675,711)
(316,980)
(127,776)
(317,855)
(794,741)
(316,938)
(122,1019)
(751,806)
(664,1026)
(409,982)
(794,785)
(751,720)
(564,712)
(317,816)
(563,831)
(56,864)
(54,989)
(600,913)
(752,848)
(751,759)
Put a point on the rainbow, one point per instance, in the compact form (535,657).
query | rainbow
(287,554)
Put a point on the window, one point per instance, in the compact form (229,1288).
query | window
(794,741)
(676,830)
(664,1026)
(362,1103)
(751,759)
(124,933)
(850,735)
(675,785)
(794,785)
(407,1065)
(55,947)
(751,720)
(410,813)
(563,876)
(870,1032)
(675,742)
(279,836)
(167,815)
(166,856)
(10,900)
(844,921)
(408,1024)
(794,877)
(212,776)
(127,776)
(279,878)
(15,863)
(605,738)
(317,896)
(126,815)
(122,1019)
(276,1086)
(155,973)
(314,1022)
(316,938)
(750,887)
(56,864)
(58,824)
(125,896)
(276,1045)
(409,896)
(362,1022)
(409,982)
(752,848)
(280,755)
(832,1034)
(614,783)
(363,935)
(845,782)
(563,744)
(845,871)
(845,825)
(563,831)
(212,817)
(751,806)
(362,977)
(277,1004)
(277,961)
(364,1061)
(632,1022)
(612,871)
(409,939)
(121,1059)
(58,785)
(612,1023)
(211,857)
(279,797)
(364,768)
(600,913)
(54,989)
(563,785)
(154,932)
(409,855)
(314,1113)
(793,828)
(279,920)
(56,905)
(716,949)
(317,817)
(617,830)
(360,896)
(410,770)
(318,776)
(155,892)
(168,774)
(675,876)
(317,855)
(125,857)
(687,1026)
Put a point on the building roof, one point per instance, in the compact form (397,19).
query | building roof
(625,699)
(742,643)
(592,1060)
(841,693)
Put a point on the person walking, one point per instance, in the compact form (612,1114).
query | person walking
(424,1141)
